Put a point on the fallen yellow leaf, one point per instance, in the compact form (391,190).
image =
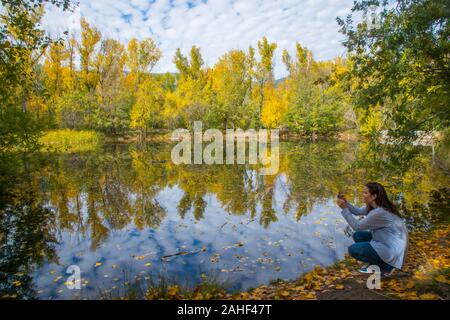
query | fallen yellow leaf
(428,296)
(17,283)
(285,293)
(442,279)
(173,291)
(310,296)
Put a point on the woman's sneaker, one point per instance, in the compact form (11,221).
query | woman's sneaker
(387,272)
(384,272)
(364,269)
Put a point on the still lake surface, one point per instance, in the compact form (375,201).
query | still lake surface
(125,215)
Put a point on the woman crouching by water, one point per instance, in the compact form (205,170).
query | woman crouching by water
(381,237)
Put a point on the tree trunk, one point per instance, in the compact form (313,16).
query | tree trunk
(24,101)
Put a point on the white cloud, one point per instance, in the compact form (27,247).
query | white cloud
(215,25)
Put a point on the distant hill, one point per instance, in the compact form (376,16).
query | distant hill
(277,82)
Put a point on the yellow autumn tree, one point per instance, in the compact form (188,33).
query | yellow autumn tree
(193,91)
(90,37)
(142,57)
(263,73)
(55,68)
(55,83)
(231,81)
(147,111)
(274,107)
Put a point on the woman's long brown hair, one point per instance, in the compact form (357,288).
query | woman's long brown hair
(382,199)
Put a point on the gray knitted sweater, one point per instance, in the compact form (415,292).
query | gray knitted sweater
(389,234)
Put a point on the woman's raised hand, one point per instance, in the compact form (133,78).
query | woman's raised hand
(341,202)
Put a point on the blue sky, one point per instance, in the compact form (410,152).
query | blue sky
(215,25)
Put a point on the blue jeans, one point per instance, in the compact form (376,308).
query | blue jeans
(362,250)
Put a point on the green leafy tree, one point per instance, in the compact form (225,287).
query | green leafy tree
(147,111)
(112,113)
(401,62)
(317,101)
(231,82)
(192,99)
(22,44)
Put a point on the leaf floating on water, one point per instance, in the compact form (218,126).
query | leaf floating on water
(148,264)
(239,244)
(17,283)
(215,258)
(97,264)
(114,266)
(277,268)
(240,257)
(264,260)
(237,269)
(142,257)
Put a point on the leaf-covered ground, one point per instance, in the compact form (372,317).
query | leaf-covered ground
(425,276)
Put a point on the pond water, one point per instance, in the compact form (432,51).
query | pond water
(125,214)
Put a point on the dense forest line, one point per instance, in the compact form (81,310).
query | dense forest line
(394,77)
(114,91)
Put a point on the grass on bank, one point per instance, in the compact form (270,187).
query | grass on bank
(66,140)
(161,287)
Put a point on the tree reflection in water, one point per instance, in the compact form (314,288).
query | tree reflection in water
(49,201)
